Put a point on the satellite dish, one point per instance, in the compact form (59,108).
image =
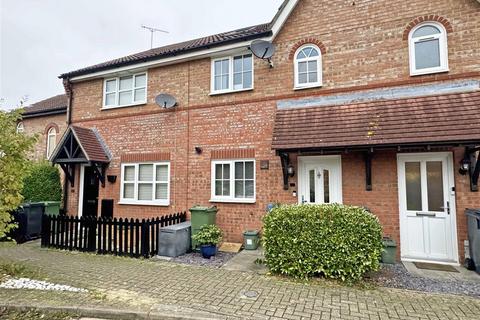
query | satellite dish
(166,101)
(263,50)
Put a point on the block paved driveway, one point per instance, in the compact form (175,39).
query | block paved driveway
(142,285)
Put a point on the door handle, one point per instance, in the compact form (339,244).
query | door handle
(447,207)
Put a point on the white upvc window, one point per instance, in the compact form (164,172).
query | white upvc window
(125,91)
(233,181)
(145,184)
(230,74)
(308,67)
(20,127)
(428,50)
(51,141)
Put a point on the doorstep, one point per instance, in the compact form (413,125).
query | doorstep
(462,275)
(246,261)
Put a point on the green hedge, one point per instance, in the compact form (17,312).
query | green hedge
(336,241)
(42,183)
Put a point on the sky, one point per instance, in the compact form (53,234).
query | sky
(40,39)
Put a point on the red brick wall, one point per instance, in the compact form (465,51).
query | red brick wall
(364,48)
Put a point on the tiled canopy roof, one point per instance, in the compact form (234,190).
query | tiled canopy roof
(91,144)
(424,120)
(242,34)
(51,105)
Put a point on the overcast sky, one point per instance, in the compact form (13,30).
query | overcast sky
(40,39)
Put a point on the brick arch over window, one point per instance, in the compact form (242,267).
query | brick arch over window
(50,126)
(300,43)
(427,18)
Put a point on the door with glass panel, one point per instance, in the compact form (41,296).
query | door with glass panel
(427,207)
(320,180)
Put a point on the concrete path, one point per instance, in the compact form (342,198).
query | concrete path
(462,274)
(247,261)
(161,289)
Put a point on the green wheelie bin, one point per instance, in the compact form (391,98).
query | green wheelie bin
(201,216)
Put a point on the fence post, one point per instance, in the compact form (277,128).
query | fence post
(145,251)
(45,231)
(92,232)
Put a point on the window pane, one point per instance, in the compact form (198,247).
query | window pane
(435,185)
(301,55)
(427,54)
(111,85)
(162,173)
(218,171)
(218,187)
(307,51)
(145,172)
(247,80)
(128,190)
(126,83)
(312,77)
(218,68)
(110,99)
(413,186)
(162,191)
(238,170)
(237,81)
(239,185)
(225,82)
(247,62)
(312,66)
(225,66)
(302,67)
(226,171)
(249,189)
(237,64)
(226,188)
(311,175)
(129,173)
(218,82)
(125,97)
(145,191)
(326,186)
(302,78)
(314,53)
(52,141)
(249,170)
(426,31)
(140,81)
(140,95)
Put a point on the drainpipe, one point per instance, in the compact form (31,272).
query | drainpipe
(68,90)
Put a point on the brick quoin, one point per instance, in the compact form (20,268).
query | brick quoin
(365,51)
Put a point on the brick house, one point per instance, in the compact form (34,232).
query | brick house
(359,105)
(48,120)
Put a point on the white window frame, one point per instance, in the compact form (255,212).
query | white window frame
(51,132)
(231,73)
(443,49)
(231,198)
(20,127)
(135,201)
(319,83)
(117,91)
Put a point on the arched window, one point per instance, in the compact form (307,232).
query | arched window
(308,67)
(51,141)
(20,127)
(428,48)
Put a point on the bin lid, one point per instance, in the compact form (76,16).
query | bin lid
(51,203)
(474,213)
(251,233)
(203,208)
(389,243)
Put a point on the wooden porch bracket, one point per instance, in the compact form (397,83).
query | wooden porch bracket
(69,170)
(285,159)
(474,168)
(99,169)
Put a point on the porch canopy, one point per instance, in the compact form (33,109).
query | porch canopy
(81,146)
(427,122)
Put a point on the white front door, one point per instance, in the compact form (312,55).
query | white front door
(427,207)
(320,179)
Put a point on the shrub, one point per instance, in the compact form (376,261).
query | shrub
(42,184)
(336,241)
(208,235)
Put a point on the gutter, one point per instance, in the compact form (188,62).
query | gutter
(43,113)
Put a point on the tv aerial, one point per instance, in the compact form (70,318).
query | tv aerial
(152,31)
(166,101)
(263,50)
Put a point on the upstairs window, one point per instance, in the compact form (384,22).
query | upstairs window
(308,67)
(428,49)
(233,181)
(51,141)
(125,91)
(145,183)
(233,73)
(20,127)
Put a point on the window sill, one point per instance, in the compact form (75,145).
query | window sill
(246,201)
(140,203)
(217,93)
(124,106)
(426,72)
(317,85)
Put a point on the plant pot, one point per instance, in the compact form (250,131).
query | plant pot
(208,250)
